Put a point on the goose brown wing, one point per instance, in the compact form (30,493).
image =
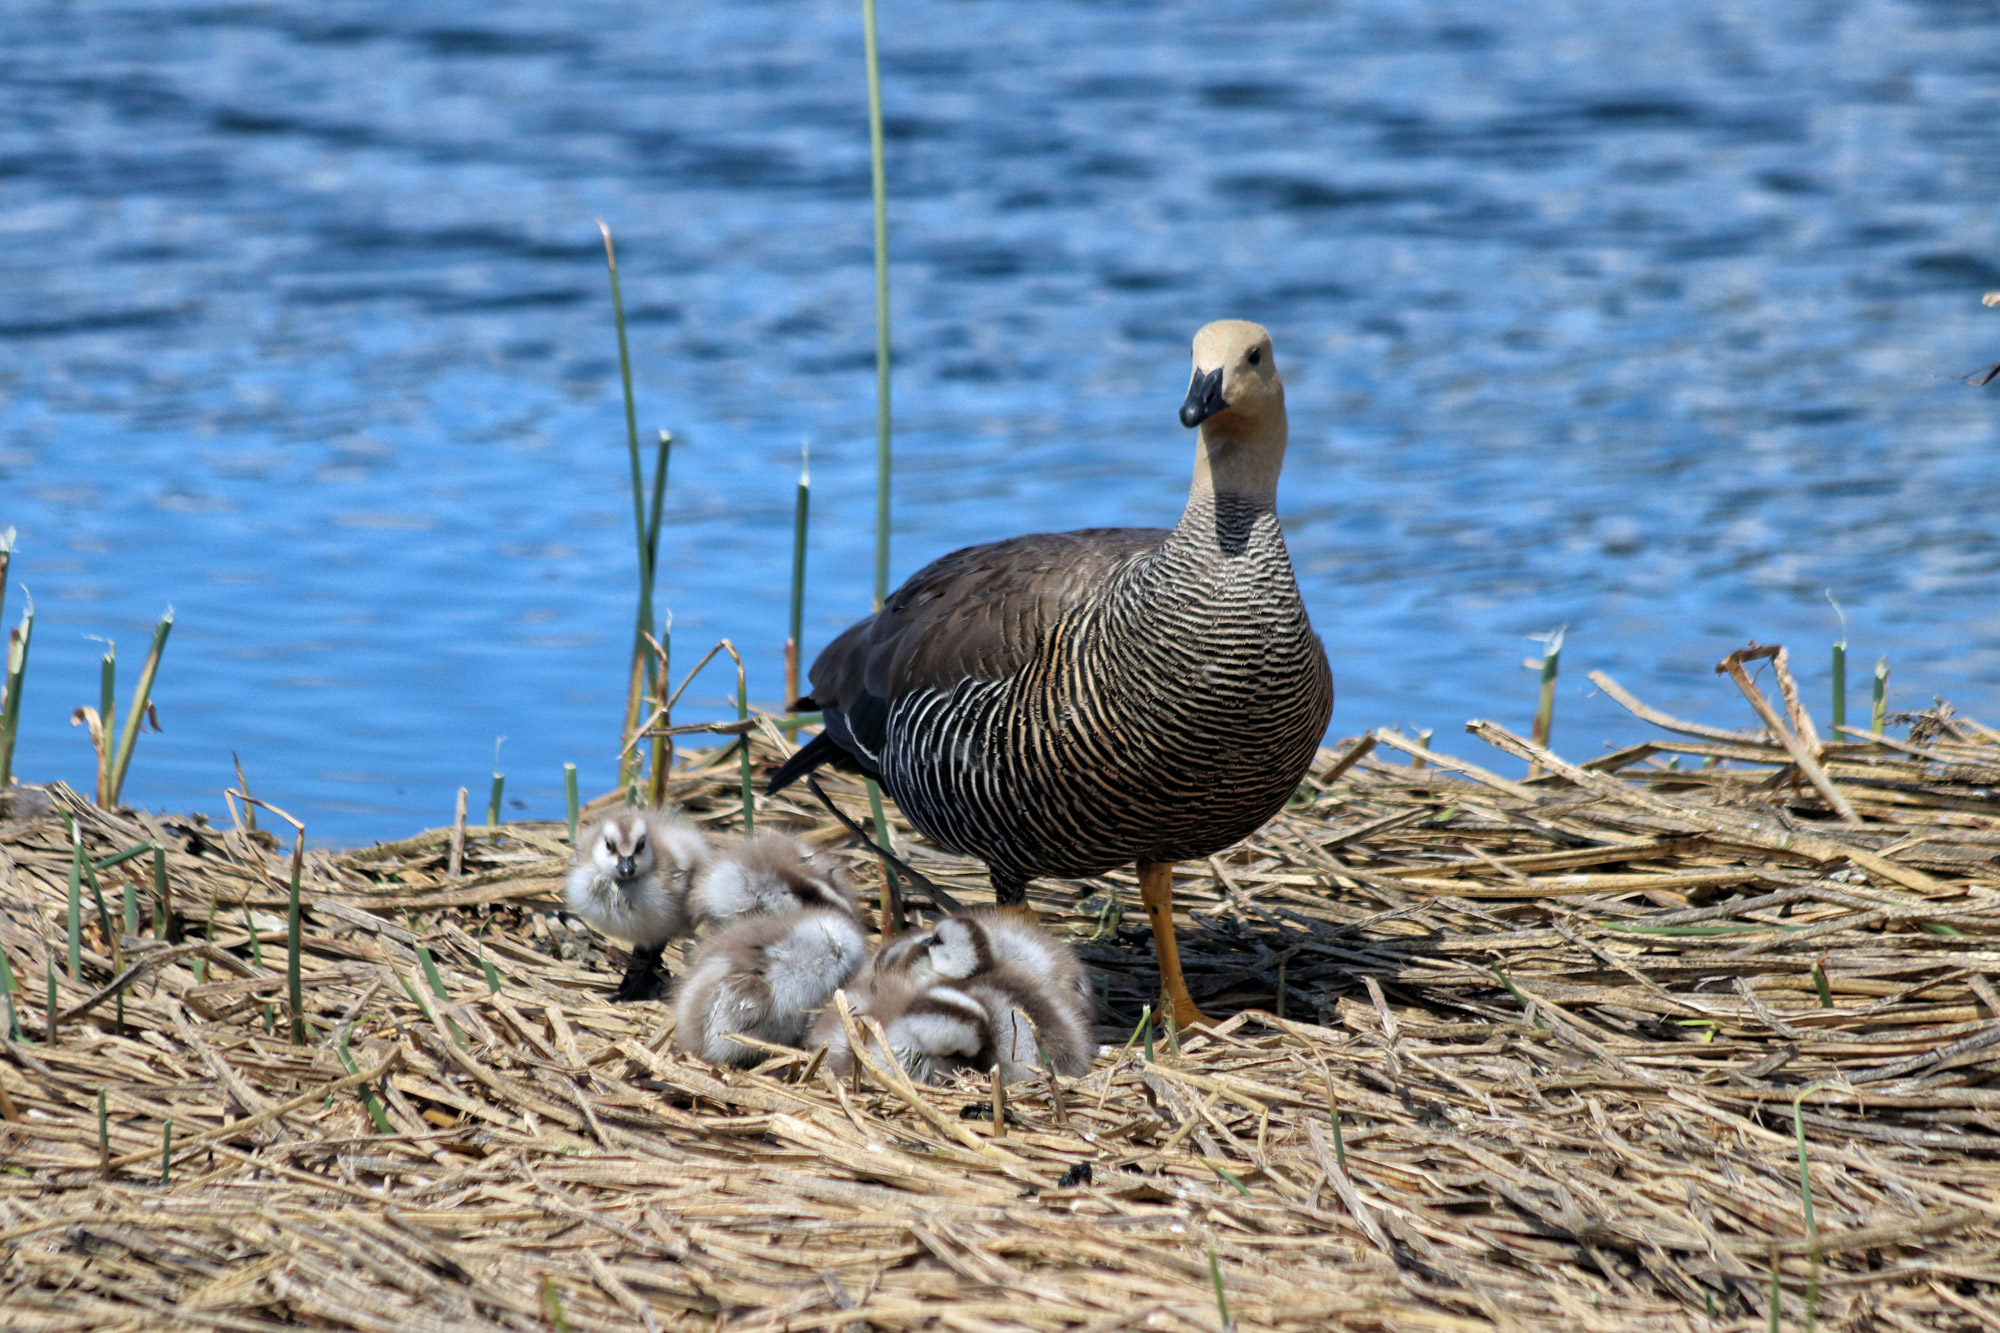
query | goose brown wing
(978,614)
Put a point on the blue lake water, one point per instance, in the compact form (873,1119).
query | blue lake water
(1650,319)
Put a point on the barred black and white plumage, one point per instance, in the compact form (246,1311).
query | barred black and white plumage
(1060,704)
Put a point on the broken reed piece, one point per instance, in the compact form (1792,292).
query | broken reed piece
(455,861)
(1801,742)
(1545,699)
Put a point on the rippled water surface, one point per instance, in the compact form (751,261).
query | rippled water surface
(1645,318)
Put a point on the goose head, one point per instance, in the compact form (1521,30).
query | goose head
(1235,383)
(1237,401)
(623,850)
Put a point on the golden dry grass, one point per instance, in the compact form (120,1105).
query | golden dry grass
(1564,1024)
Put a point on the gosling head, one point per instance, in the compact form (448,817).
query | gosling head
(1235,383)
(624,848)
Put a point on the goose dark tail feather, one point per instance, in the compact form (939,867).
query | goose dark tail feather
(821,750)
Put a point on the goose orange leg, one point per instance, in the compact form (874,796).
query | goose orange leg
(1156,891)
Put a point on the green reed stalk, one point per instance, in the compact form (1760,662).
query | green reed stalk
(294,986)
(207,937)
(794,644)
(256,945)
(570,799)
(663,744)
(642,624)
(107,715)
(499,786)
(294,927)
(1545,703)
(375,1111)
(160,892)
(131,906)
(75,918)
(141,701)
(1880,711)
(431,972)
(103,1137)
(166,1149)
(18,639)
(1146,1026)
(50,1014)
(743,715)
(103,912)
(1839,668)
(881,190)
(892,891)
(1819,983)
(7,989)
(243,785)
(1215,1273)
(6,559)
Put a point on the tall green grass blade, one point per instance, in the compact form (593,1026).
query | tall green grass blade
(499,787)
(142,698)
(492,974)
(18,640)
(166,1150)
(892,892)
(570,799)
(1839,668)
(431,972)
(243,785)
(103,911)
(50,1015)
(743,715)
(1879,712)
(1235,1180)
(880,181)
(795,641)
(375,1111)
(160,896)
(1545,701)
(75,919)
(7,988)
(1146,1025)
(256,945)
(552,1307)
(107,715)
(642,624)
(6,558)
(132,853)
(294,982)
(1215,1276)
(103,1136)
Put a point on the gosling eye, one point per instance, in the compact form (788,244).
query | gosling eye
(1256,355)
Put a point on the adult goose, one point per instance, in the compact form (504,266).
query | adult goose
(1060,704)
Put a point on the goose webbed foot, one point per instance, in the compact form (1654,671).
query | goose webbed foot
(643,979)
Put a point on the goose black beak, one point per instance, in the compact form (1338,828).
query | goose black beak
(1204,398)
(628,868)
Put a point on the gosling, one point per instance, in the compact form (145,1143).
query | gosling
(770,874)
(978,991)
(631,880)
(762,976)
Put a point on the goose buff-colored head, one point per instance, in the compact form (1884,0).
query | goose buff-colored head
(1237,400)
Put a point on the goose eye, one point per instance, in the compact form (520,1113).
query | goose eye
(1256,355)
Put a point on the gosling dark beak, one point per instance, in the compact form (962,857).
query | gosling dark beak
(627,867)
(1204,398)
